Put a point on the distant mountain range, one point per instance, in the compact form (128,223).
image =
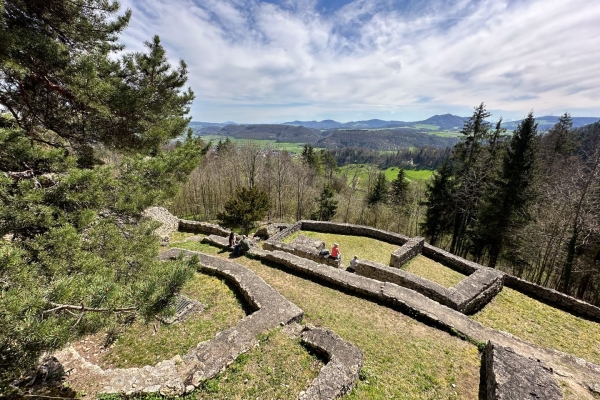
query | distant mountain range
(445,122)
(437,131)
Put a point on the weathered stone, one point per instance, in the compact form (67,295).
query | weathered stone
(408,250)
(354,230)
(309,253)
(202,227)
(475,291)
(340,373)
(169,222)
(267,231)
(305,241)
(176,376)
(450,260)
(286,232)
(510,376)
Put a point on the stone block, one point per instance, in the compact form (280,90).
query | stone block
(305,241)
(510,376)
(410,249)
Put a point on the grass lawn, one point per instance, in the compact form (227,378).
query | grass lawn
(541,324)
(140,345)
(267,143)
(434,271)
(412,175)
(364,248)
(403,359)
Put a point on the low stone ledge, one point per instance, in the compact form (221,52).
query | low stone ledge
(511,376)
(217,241)
(306,252)
(202,227)
(286,232)
(340,373)
(406,279)
(408,250)
(353,230)
(576,371)
(305,241)
(475,291)
(553,297)
(450,260)
(183,374)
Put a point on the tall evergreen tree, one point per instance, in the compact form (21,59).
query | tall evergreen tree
(327,205)
(440,204)
(81,256)
(399,189)
(379,192)
(509,202)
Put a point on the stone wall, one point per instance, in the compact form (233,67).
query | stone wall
(450,260)
(353,230)
(554,298)
(286,232)
(302,251)
(468,296)
(408,250)
(202,227)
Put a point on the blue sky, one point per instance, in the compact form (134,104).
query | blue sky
(282,60)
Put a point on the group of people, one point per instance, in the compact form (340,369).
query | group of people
(336,255)
(240,246)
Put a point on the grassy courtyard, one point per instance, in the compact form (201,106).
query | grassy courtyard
(403,359)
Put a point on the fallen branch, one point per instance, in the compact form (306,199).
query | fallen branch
(82,308)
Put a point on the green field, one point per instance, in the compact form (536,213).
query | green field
(268,144)
(390,173)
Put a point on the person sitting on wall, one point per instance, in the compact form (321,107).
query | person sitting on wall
(335,252)
(353,264)
(231,239)
(237,247)
(245,244)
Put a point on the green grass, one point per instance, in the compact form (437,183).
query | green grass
(139,345)
(434,271)
(403,359)
(390,173)
(541,324)
(280,367)
(426,126)
(266,143)
(364,248)
(412,175)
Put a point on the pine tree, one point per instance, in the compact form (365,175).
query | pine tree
(81,257)
(508,203)
(379,192)
(399,189)
(244,208)
(439,203)
(327,205)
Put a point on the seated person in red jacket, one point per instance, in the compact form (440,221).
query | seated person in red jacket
(335,251)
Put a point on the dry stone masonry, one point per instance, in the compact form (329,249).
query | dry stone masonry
(412,248)
(169,222)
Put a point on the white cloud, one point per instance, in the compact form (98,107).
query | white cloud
(252,61)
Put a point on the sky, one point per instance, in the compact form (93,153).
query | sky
(274,61)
